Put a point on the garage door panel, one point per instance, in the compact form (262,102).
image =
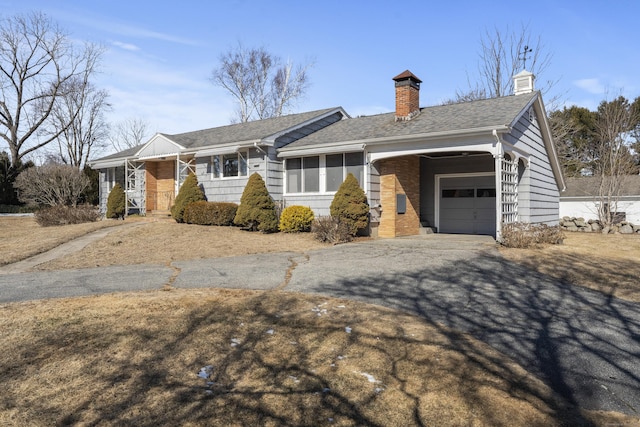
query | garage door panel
(467,205)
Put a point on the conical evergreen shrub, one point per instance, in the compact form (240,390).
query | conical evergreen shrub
(350,205)
(257,211)
(116,202)
(189,192)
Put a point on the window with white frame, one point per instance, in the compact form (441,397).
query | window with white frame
(303,174)
(229,165)
(322,173)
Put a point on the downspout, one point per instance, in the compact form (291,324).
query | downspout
(498,156)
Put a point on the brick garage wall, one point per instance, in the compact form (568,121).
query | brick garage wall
(399,176)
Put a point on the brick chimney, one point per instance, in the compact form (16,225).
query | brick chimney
(407,95)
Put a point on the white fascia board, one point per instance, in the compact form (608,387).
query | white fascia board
(547,138)
(441,148)
(324,149)
(157,156)
(271,139)
(107,163)
(444,135)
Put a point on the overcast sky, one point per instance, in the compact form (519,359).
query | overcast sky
(160,54)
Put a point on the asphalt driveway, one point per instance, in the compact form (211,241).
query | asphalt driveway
(583,344)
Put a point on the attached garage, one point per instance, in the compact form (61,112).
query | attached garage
(466,204)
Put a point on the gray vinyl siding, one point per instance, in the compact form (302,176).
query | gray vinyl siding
(274,174)
(429,168)
(373,195)
(319,203)
(228,189)
(538,195)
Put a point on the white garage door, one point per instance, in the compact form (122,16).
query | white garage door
(468,205)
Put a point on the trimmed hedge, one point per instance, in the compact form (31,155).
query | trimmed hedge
(295,219)
(65,215)
(210,213)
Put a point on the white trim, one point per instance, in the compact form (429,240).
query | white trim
(335,148)
(487,147)
(108,164)
(216,151)
(436,187)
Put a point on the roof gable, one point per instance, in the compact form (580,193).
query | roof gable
(159,145)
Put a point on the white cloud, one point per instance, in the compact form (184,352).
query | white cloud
(593,86)
(126,46)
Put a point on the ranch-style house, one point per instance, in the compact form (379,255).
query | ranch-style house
(468,167)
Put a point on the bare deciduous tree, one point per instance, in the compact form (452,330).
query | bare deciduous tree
(502,55)
(260,83)
(37,60)
(616,121)
(83,106)
(128,133)
(51,185)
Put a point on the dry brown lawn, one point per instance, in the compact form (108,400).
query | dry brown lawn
(231,358)
(276,358)
(22,237)
(607,263)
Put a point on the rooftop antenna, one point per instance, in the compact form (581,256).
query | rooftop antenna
(525,51)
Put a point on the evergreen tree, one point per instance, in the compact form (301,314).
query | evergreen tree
(116,202)
(257,211)
(189,192)
(350,205)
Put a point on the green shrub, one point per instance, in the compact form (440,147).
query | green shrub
(257,210)
(210,213)
(524,235)
(296,218)
(91,194)
(329,229)
(189,192)
(350,205)
(65,215)
(116,202)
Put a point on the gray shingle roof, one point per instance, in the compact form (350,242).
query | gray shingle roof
(495,112)
(587,186)
(249,131)
(255,130)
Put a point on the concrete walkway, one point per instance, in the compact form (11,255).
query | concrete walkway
(585,345)
(64,249)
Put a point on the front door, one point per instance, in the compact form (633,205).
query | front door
(468,205)
(160,185)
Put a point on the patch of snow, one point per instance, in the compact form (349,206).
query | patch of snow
(205,372)
(369,377)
